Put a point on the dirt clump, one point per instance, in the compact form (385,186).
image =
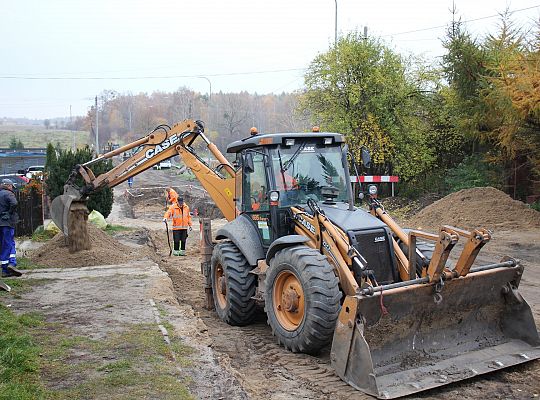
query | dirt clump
(482,207)
(104,250)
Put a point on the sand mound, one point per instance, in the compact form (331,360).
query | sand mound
(104,250)
(484,207)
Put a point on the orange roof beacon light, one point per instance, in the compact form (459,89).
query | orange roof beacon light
(253,131)
(315,129)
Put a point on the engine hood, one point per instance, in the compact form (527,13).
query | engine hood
(350,220)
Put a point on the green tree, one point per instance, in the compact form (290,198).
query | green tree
(16,144)
(13,143)
(363,89)
(59,166)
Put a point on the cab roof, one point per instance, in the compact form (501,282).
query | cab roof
(272,139)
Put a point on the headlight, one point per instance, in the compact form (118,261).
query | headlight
(372,189)
(274,195)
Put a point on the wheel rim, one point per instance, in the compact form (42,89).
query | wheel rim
(288,300)
(221,286)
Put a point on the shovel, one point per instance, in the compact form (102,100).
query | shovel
(4,286)
(168,238)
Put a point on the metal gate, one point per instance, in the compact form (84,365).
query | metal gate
(30,209)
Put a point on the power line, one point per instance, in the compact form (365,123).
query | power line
(466,21)
(26,77)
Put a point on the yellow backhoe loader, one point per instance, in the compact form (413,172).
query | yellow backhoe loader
(400,318)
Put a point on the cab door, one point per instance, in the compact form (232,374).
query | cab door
(254,200)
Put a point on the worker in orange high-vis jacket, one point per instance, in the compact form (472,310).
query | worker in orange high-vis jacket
(172,196)
(181,219)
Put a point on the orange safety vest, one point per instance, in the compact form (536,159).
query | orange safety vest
(180,216)
(172,196)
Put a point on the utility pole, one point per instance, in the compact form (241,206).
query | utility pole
(71,128)
(129,109)
(335,26)
(365,32)
(97,130)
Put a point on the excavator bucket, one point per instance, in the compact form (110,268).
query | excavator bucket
(62,208)
(410,338)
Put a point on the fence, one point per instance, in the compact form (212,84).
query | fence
(30,211)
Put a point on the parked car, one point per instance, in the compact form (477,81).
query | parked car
(18,180)
(163,164)
(34,171)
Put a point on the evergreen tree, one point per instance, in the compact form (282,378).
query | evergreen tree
(59,166)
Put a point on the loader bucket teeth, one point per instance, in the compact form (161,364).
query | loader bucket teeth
(405,342)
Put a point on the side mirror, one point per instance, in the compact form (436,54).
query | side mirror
(249,167)
(366,157)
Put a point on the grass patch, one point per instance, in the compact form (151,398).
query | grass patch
(41,235)
(135,363)
(45,360)
(27,264)
(111,229)
(20,286)
(19,357)
(38,136)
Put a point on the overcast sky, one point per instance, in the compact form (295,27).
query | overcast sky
(253,45)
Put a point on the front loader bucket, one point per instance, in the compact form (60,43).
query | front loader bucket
(62,207)
(410,340)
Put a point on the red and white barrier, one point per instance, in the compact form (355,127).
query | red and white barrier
(376,179)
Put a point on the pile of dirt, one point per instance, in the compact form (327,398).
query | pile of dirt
(483,207)
(104,250)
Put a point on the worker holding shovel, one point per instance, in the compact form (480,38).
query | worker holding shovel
(181,218)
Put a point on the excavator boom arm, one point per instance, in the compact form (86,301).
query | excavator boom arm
(160,144)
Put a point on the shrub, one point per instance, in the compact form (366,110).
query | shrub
(60,164)
(473,171)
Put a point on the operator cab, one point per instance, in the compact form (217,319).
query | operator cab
(292,167)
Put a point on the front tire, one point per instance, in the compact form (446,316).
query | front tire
(302,299)
(232,285)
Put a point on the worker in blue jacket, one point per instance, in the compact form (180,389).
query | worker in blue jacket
(8,221)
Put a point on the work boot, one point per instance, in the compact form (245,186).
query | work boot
(176,252)
(14,271)
(182,252)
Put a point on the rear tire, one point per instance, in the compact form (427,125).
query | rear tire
(232,285)
(302,299)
